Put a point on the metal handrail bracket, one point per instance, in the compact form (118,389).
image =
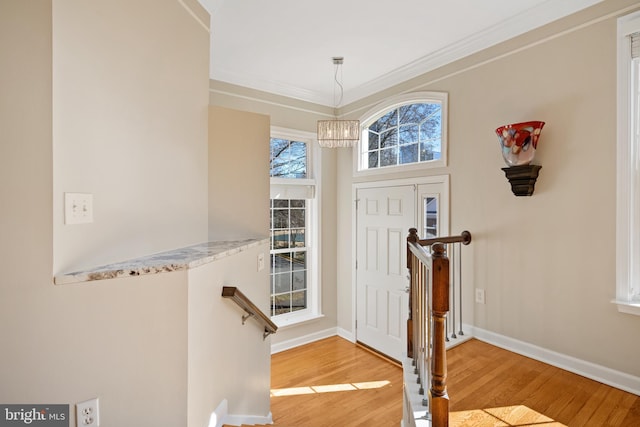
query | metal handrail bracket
(250,309)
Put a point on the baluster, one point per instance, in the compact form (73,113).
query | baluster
(439,404)
(460,332)
(416,315)
(427,333)
(421,336)
(453,289)
(412,237)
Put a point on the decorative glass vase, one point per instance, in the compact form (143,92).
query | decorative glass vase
(519,142)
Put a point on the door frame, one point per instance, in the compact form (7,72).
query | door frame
(445,201)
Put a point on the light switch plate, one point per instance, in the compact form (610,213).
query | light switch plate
(261,261)
(78,208)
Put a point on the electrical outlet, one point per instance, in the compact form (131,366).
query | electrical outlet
(480,296)
(78,208)
(87,413)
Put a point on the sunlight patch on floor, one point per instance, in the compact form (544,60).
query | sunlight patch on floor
(295,391)
(518,415)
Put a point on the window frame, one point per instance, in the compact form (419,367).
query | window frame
(628,176)
(392,103)
(311,185)
(292,250)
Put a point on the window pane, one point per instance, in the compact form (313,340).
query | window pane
(277,161)
(298,160)
(282,283)
(389,138)
(299,280)
(373,160)
(413,113)
(408,134)
(281,262)
(297,238)
(297,217)
(297,203)
(389,156)
(288,158)
(280,239)
(279,203)
(430,217)
(385,122)
(282,304)
(409,153)
(374,140)
(298,301)
(280,218)
(431,129)
(299,261)
(429,151)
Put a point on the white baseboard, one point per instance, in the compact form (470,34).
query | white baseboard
(460,338)
(219,414)
(617,379)
(305,339)
(238,420)
(347,335)
(221,417)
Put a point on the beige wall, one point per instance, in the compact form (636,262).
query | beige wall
(296,115)
(228,360)
(129,126)
(546,262)
(116,340)
(238,174)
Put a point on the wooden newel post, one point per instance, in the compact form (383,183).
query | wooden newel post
(439,309)
(411,238)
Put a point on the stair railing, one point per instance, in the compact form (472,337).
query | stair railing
(250,309)
(454,326)
(429,303)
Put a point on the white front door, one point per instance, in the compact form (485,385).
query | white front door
(384,216)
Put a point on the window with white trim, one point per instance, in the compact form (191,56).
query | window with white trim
(628,166)
(407,131)
(293,228)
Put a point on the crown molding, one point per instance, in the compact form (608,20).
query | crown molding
(254,82)
(198,12)
(540,15)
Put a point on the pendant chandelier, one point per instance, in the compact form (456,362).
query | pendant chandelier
(338,133)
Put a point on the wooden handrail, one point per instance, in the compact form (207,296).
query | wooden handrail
(251,309)
(464,238)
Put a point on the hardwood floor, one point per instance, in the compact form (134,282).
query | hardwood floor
(482,376)
(332,382)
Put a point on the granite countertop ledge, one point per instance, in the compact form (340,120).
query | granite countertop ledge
(175,260)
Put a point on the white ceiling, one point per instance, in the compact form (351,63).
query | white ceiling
(285,46)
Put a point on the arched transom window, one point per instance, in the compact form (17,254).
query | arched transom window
(405,131)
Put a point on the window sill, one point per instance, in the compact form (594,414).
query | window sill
(627,307)
(295,320)
(387,170)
